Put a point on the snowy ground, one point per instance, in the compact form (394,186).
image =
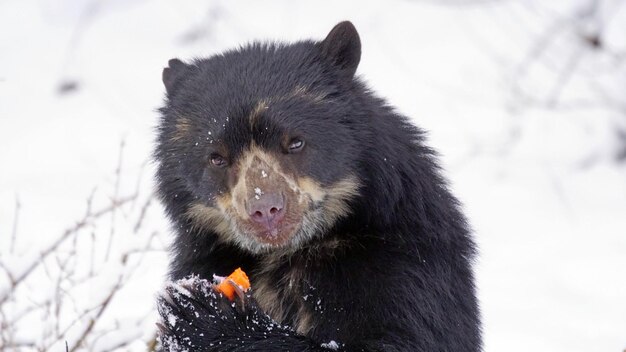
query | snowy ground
(524,107)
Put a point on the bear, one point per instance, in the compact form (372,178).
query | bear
(278,159)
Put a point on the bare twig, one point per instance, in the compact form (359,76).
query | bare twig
(140,176)
(102,308)
(142,214)
(564,76)
(64,236)
(15,221)
(118,177)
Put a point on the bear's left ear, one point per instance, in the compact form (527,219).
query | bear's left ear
(342,47)
(173,74)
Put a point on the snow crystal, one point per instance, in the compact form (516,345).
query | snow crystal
(171,319)
(180,289)
(189,280)
(218,279)
(331,345)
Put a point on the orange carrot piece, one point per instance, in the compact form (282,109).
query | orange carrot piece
(239,277)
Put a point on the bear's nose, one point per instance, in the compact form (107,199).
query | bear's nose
(267,209)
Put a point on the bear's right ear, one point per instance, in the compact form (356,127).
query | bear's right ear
(172,74)
(342,47)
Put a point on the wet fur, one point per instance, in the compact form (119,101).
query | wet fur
(385,264)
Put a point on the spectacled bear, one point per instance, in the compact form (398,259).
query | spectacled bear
(277,159)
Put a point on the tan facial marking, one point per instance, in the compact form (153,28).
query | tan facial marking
(298,92)
(261,170)
(183,127)
(310,187)
(257,170)
(209,218)
(303,92)
(338,197)
(261,106)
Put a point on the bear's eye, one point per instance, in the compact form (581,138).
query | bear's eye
(295,145)
(218,160)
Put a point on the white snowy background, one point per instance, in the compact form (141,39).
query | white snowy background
(525,101)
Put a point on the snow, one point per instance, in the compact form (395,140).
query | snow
(331,345)
(171,319)
(530,149)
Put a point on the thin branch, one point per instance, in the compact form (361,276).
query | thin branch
(140,175)
(64,236)
(118,177)
(564,76)
(103,307)
(18,206)
(142,214)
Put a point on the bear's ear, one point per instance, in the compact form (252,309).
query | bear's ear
(172,74)
(342,47)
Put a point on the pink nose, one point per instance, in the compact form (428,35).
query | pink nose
(268,210)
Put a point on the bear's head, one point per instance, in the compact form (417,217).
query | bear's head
(259,145)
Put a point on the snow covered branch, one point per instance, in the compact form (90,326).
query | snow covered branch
(77,287)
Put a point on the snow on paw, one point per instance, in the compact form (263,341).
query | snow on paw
(192,315)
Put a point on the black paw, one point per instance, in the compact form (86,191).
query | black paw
(195,317)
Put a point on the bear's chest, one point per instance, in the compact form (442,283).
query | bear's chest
(286,294)
(300,290)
